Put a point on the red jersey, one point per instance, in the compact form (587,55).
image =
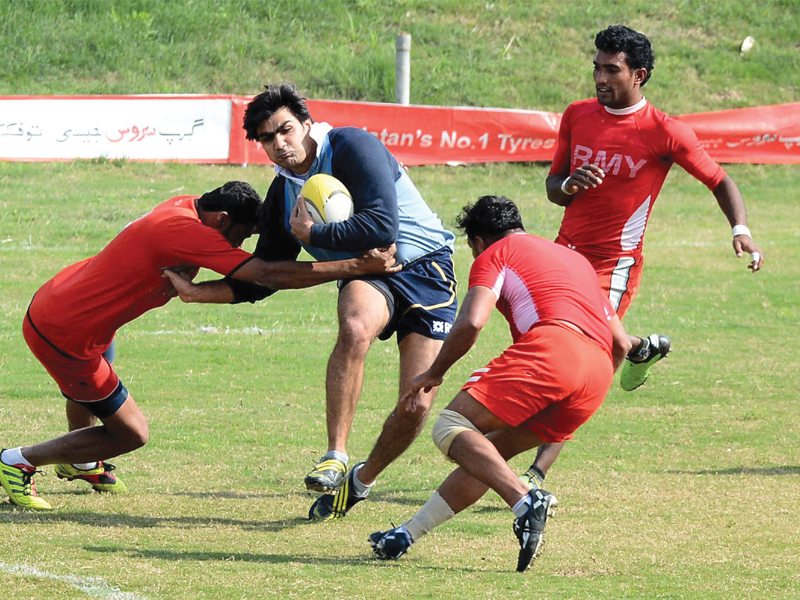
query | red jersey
(79,310)
(636,148)
(536,280)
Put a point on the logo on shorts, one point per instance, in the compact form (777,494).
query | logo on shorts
(442,327)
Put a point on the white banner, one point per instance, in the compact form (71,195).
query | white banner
(133,127)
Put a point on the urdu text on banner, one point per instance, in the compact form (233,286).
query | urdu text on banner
(207,129)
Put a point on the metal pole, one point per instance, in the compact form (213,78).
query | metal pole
(402,68)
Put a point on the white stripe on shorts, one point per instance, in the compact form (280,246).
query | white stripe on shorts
(619,280)
(475,377)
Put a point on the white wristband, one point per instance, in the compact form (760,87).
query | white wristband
(564,187)
(741,230)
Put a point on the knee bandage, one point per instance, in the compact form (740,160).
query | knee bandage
(449,424)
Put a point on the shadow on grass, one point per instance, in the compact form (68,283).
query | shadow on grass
(225,495)
(784,470)
(413,499)
(12,514)
(365,560)
(170,555)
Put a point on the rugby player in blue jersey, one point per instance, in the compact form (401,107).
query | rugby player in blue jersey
(418,304)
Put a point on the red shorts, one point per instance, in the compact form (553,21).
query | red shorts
(551,381)
(619,276)
(77,379)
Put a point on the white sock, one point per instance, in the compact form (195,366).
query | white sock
(521,507)
(85,466)
(361,489)
(435,512)
(13,456)
(341,456)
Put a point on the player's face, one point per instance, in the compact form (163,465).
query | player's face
(237,233)
(477,246)
(286,141)
(617,86)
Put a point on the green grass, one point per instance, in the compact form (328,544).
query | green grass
(686,488)
(526,54)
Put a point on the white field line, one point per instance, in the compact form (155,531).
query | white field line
(211,330)
(92,586)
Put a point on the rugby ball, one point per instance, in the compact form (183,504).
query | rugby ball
(327,200)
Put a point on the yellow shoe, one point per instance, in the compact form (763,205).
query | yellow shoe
(21,489)
(336,506)
(101,477)
(327,476)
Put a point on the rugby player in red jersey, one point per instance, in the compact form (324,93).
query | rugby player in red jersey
(612,157)
(567,342)
(72,319)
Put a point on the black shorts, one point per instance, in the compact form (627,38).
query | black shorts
(421,298)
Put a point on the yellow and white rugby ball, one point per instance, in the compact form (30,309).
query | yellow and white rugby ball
(327,200)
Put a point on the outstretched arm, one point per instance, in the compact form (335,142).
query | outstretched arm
(290,275)
(284,275)
(207,292)
(731,203)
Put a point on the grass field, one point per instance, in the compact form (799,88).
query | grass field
(686,488)
(527,54)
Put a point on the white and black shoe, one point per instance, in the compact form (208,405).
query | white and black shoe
(529,528)
(390,545)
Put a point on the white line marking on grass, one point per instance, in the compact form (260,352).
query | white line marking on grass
(92,586)
(211,330)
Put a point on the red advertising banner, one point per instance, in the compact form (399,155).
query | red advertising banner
(760,135)
(207,129)
(424,135)
(420,135)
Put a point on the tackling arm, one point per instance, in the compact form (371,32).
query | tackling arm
(208,292)
(289,275)
(284,275)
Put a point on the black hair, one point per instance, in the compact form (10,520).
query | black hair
(236,198)
(635,45)
(274,97)
(490,217)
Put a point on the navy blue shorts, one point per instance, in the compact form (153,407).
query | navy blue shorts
(421,298)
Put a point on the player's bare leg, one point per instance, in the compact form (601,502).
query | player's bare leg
(483,461)
(545,457)
(123,432)
(78,416)
(363,314)
(399,431)
(99,474)
(403,425)
(457,492)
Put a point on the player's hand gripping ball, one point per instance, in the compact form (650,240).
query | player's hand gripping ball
(327,200)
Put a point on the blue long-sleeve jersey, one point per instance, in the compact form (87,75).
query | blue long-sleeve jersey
(388,208)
